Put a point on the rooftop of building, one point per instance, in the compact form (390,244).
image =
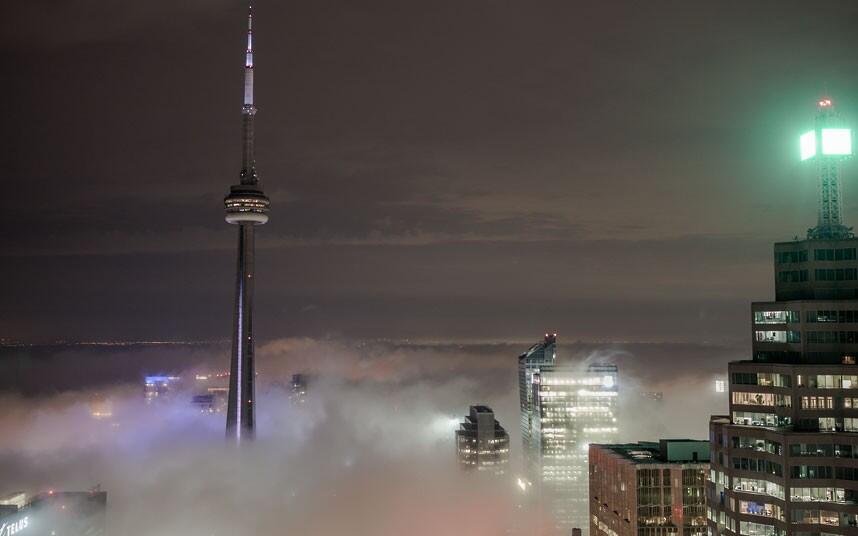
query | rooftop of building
(661,452)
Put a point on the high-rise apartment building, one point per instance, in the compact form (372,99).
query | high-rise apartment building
(785,460)
(649,489)
(481,442)
(564,407)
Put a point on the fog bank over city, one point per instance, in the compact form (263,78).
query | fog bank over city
(373,440)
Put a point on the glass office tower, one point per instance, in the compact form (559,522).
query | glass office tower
(564,408)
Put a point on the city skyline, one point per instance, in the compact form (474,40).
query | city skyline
(660,194)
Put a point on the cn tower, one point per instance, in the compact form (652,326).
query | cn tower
(246,207)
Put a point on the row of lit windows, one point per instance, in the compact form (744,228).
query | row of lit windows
(759,445)
(813,337)
(829,381)
(747,528)
(761,509)
(823,517)
(777,336)
(776,317)
(826,402)
(823,471)
(832,495)
(237,201)
(817,402)
(750,418)
(762,399)
(765,379)
(754,485)
(844,316)
(797,494)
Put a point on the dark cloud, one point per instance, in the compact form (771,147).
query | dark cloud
(613,150)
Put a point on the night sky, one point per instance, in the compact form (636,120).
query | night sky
(469,170)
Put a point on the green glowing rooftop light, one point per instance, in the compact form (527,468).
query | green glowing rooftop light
(807,142)
(836,141)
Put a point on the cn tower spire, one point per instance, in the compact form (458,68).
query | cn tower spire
(248,60)
(248,109)
(246,206)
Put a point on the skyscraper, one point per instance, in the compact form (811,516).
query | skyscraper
(481,442)
(785,461)
(246,206)
(564,408)
(649,489)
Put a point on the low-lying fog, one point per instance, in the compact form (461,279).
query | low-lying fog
(369,452)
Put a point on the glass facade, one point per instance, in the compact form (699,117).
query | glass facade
(564,409)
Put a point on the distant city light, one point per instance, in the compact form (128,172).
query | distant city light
(720,386)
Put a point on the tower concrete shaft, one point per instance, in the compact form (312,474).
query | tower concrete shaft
(241,411)
(246,206)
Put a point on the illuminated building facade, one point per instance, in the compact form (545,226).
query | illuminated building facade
(159,387)
(564,408)
(246,206)
(298,389)
(481,442)
(785,460)
(210,392)
(649,489)
(100,407)
(66,513)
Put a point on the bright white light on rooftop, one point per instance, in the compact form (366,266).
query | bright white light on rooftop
(807,143)
(836,141)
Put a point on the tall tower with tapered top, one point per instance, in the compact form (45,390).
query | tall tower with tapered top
(246,207)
